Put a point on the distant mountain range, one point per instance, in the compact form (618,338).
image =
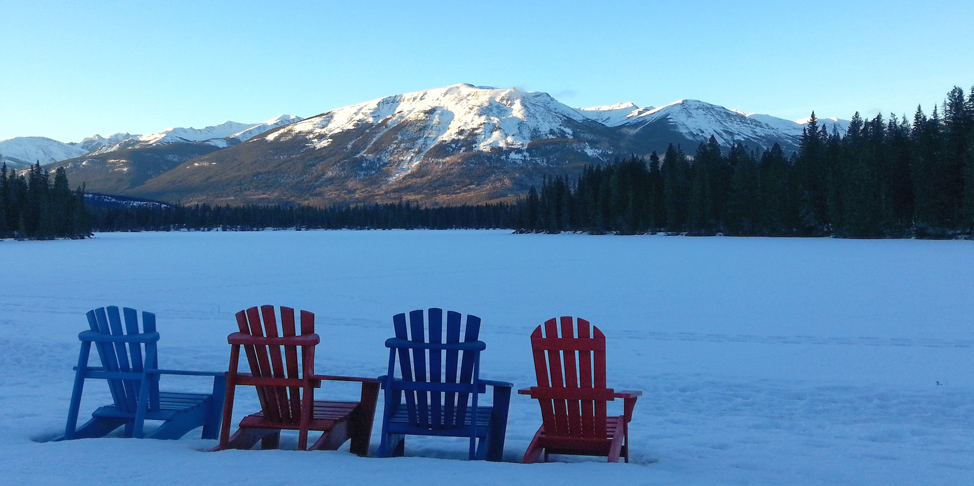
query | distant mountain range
(20,152)
(458,144)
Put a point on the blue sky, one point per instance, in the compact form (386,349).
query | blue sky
(72,69)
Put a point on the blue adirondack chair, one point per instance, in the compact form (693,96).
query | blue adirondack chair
(130,366)
(443,399)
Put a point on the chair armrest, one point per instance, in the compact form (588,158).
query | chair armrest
(186,372)
(467,346)
(345,378)
(302,340)
(94,336)
(524,391)
(498,384)
(629,399)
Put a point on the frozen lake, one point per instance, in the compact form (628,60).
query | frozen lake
(762,361)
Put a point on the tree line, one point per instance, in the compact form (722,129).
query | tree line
(32,206)
(401,215)
(882,178)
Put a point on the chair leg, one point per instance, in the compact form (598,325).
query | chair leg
(96,427)
(534,452)
(360,427)
(70,428)
(246,438)
(332,439)
(214,408)
(392,445)
(271,440)
(615,450)
(498,424)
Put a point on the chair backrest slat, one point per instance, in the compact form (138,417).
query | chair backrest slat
(451,372)
(572,359)
(586,381)
(468,361)
(435,371)
(418,331)
(291,353)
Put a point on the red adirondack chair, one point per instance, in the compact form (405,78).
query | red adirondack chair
(574,403)
(285,386)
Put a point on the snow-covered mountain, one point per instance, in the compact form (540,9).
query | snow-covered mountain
(399,131)
(221,136)
(460,143)
(22,152)
(697,121)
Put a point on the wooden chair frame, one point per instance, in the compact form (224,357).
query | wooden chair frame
(573,396)
(286,384)
(129,358)
(438,386)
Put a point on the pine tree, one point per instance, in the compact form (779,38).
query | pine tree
(811,172)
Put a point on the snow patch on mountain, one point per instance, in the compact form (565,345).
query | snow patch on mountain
(22,152)
(614,115)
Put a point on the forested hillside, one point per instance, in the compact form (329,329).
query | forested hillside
(882,178)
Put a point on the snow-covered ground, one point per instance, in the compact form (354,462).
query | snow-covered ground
(762,361)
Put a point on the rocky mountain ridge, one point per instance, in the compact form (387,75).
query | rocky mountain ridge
(456,144)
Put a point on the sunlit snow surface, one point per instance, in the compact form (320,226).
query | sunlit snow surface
(762,361)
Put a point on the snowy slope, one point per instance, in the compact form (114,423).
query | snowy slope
(21,152)
(488,118)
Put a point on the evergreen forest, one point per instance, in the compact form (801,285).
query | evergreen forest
(880,179)
(32,206)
